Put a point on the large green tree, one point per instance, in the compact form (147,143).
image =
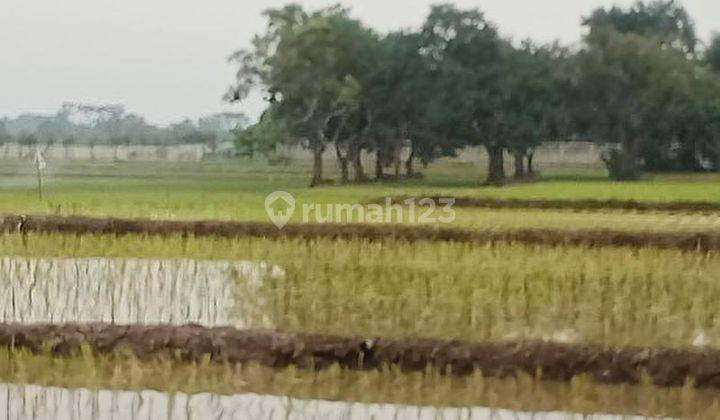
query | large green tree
(698,121)
(467,62)
(627,89)
(399,100)
(309,64)
(533,106)
(712,54)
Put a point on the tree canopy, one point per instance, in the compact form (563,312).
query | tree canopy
(639,80)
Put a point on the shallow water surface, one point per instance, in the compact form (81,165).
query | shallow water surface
(132,291)
(29,402)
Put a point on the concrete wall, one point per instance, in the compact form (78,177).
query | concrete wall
(189,153)
(583,153)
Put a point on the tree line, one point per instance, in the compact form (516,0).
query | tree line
(110,125)
(640,79)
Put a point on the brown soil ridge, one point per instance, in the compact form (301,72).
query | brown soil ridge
(702,207)
(543,237)
(545,360)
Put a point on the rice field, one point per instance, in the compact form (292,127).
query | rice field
(125,387)
(442,290)
(130,291)
(606,296)
(236,191)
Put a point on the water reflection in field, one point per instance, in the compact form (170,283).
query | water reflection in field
(29,402)
(131,291)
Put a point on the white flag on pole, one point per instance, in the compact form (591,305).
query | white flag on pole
(39,160)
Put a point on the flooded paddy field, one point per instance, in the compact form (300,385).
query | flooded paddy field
(444,290)
(122,387)
(130,291)
(424,289)
(40,403)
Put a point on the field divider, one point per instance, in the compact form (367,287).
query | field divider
(662,367)
(701,207)
(700,242)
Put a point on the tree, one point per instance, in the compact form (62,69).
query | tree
(712,54)
(402,104)
(387,105)
(696,126)
(27,140)
(48,131)
(626,88)
(262,138)
(359,59)
(5,136)
(673,106)
(68,142)
(185,132)
(309,64)
(222,125)
(467,59)
(533,108)
(662,20)
(92,143)
(116,142)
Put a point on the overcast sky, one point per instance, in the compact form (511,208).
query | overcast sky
(166,59)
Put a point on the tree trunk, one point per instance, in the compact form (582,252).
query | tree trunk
(622,163)
(378,165)
(629,165)
(496,167)
(397,158)
(317,149)
(356,158)
(530,168)
(409,168)
(343,163)
(519,158)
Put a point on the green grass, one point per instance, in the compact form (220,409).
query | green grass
(446,290)
(236,190)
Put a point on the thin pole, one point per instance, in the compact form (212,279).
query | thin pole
(40,183)
(39,166)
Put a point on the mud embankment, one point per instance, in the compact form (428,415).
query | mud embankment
(701,207)
(551,361)
(543,237)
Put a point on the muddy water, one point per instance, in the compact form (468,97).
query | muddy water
(133,291)
(29,402)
